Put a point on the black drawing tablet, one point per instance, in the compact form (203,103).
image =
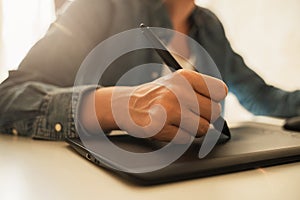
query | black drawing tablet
(252,145)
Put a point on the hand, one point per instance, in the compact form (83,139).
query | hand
(159,109)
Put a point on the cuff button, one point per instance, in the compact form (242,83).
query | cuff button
(14,131)
(58,127)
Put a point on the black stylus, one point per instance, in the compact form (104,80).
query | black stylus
(170,61)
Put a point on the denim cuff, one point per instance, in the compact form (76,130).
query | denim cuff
(56,121)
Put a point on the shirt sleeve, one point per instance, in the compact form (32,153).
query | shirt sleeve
(251,90)
(255,94)
(36,100)
(39,110)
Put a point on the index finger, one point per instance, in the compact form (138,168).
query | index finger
(205,85)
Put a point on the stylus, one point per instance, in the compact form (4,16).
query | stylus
(170,61)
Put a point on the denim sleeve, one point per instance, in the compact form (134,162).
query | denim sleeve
(251,90)
(35,100)
(254,93)
(39,110)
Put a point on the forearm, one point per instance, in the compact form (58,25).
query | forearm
(272,101)
(256,95)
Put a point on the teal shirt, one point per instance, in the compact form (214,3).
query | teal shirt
(36,98)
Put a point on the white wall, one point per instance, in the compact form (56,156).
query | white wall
(267,34)
(23,23)
(1,42)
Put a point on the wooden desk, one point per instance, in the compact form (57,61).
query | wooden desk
(41,170)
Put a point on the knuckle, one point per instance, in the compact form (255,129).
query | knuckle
(203,128)
(221,91)
(216,87)
(181,71)
(184,72)
(216,111)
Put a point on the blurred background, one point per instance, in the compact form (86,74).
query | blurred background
(265,32)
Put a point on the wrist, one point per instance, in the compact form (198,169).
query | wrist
(96,110)
(103,107)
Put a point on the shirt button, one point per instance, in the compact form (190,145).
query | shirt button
(58,127)
(14,131)
(154,75)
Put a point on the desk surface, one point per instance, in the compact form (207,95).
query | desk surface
(32,169)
